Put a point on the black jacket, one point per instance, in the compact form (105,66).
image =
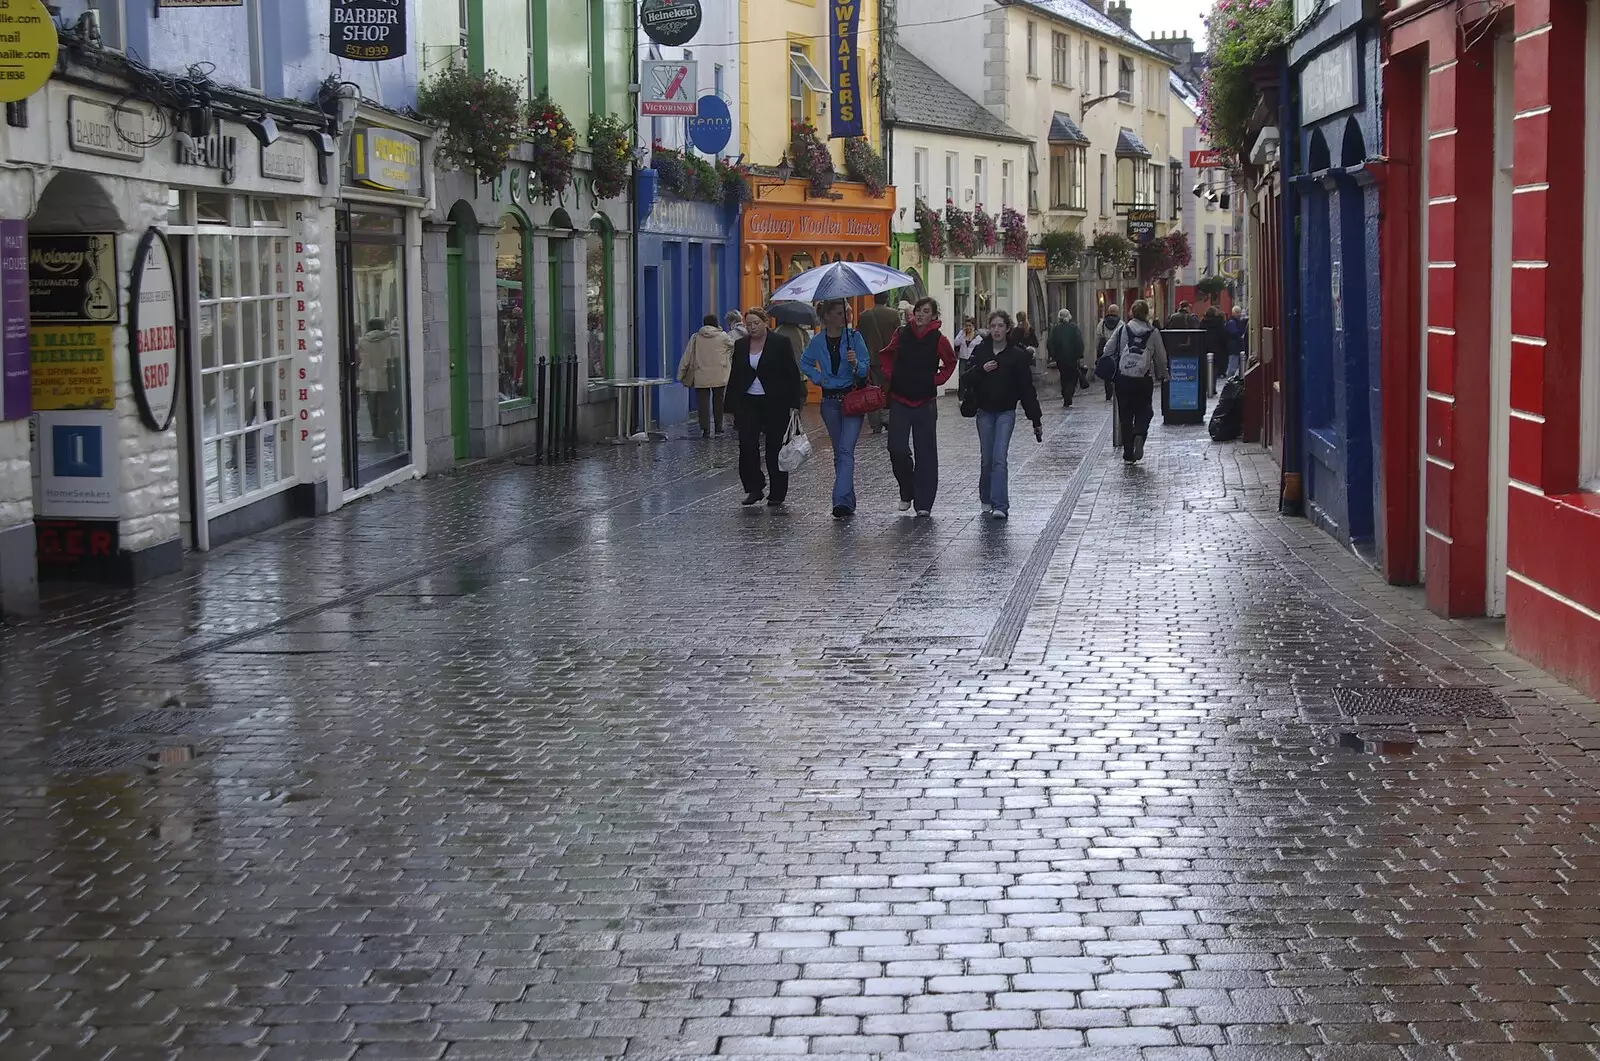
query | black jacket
(999,391)
(1216,330)
(777,370)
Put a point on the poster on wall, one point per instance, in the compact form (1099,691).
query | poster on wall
(73,277)
(71,367)
(844,19)
(16,401)
(153,332)
(78,465)
(368,31)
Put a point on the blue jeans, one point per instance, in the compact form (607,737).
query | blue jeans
(994,447)
(843,430)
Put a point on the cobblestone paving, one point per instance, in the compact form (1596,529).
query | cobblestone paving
(589,762)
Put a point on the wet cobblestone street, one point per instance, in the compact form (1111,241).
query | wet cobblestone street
(587,761)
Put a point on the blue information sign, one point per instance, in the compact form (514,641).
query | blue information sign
(1183,391)
(712,126)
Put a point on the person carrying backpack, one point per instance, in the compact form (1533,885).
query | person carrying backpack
(1141,364)
(1102,335)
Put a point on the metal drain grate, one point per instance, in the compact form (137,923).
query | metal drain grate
(169,721)
(1452,703)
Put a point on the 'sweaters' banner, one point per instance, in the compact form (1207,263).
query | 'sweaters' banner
(843,21)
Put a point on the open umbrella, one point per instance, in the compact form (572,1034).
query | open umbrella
(799,313)
(842,280)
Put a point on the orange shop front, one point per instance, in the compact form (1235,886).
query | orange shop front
(786,232)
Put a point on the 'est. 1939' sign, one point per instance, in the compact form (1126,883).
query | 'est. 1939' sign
(367,30)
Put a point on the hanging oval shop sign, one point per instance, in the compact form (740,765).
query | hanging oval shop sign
(670,22)
(30,49)
(368,31)
(153,331)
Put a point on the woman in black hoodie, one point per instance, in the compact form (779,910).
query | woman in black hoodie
(1000,378)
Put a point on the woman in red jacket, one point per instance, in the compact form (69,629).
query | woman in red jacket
(916,363)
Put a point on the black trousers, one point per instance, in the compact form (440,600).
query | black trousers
(761,420)
(709,406)
(915,427)
(1135,407)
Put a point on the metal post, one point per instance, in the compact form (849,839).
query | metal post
(542,411)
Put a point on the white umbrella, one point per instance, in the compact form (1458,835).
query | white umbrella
(842,280)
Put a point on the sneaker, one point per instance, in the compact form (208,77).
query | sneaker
(1000,513)
(987,509)
(753,498)
(1138,447)
(923,512)
(904,505)
(841,512)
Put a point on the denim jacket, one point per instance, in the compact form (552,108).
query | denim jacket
(817,364)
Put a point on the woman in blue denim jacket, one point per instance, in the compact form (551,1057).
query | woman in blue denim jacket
(837,361)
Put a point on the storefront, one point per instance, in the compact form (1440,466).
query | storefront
(786,232)
(378,274)
(687,268)
(530,313)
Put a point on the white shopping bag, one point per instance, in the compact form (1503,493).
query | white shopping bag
(796,447)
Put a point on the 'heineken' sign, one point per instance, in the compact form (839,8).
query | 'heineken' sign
(670,22)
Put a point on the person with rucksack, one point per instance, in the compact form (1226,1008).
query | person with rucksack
(1108,327)
(1141,363)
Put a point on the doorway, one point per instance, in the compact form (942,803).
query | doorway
(374,376)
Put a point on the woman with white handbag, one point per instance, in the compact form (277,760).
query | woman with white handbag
(764,393)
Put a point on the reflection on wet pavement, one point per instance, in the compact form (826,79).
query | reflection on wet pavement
(588,761)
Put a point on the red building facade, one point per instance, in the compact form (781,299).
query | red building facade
(1491,356)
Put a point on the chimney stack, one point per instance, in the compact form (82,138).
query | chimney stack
(1118,12)
(1098,5)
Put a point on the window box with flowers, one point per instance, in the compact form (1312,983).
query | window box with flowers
(554,142)
(686,175)
(1013,234)
(734,180)
(810,157)
(964,241)
(862,163)
(930,231)
(609,144)
(481,114)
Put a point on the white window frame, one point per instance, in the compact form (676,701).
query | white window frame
(1589,372)
(1126,91)
(1105,193)
(1007,200)
(113,23)
(1083,63)
(980,180)
(952,177)
(1105,66)
(1033,48)
(464,23)
(1060,59)
(919,174)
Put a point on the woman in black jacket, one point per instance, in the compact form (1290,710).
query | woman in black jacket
(1000,378)
(1216,344)
(764,388)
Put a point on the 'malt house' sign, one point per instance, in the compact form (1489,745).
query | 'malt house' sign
(367,30)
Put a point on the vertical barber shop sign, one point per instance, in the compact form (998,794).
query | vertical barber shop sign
(153,332)
(844,19)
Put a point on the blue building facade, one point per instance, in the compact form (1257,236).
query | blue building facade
(688,266)
(1335,110)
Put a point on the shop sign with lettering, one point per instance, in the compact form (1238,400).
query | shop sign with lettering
(97,128)
(217,150)
(284,161)
(382,158)
(670,22)
(844,19)
(71,367)
(367,30)
(28,48)
(153,331)
(1330,83)
(73,277)
(16,401)
(78,458)
(781,224)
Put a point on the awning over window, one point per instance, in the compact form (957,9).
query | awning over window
(1063,130)
(1130,146)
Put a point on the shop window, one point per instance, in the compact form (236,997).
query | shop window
(597,291)
(377,386)
(245,370)
(1002,286)
(512,312)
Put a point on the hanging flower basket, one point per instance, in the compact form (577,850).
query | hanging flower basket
(983,225)
(1178,247)
(862,163)
(963,233)
(930,231)
(810,157)
(1211,287)
(1113,249)
(1013,234)
(554,142)
(608,142)
(481,115)
(1063,251)
(735,184)
(1239,35)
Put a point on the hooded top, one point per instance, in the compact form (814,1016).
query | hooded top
(1139,350)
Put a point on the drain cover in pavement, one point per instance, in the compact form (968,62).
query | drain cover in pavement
(169,721)
(95,756)
(1454,703)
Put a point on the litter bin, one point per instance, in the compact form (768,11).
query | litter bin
(1183,396)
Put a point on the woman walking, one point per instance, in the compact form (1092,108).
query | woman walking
(837,361)
(1141,364)
(966,341)
(763,390)
(704,367)
(1000,379)
(916,363)
(1102,335)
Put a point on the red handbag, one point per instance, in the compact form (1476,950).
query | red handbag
(864,400)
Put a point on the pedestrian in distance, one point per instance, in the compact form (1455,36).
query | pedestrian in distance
(1183,317)
(1065,348)
(916,363)
(764,390)
(1216,345)
(1102,335)
(1238,339)
(1141,364)
(733,324)
(999,380)
(1024,333)
(837,361)
(966,340)
(878,326)
(704,367)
